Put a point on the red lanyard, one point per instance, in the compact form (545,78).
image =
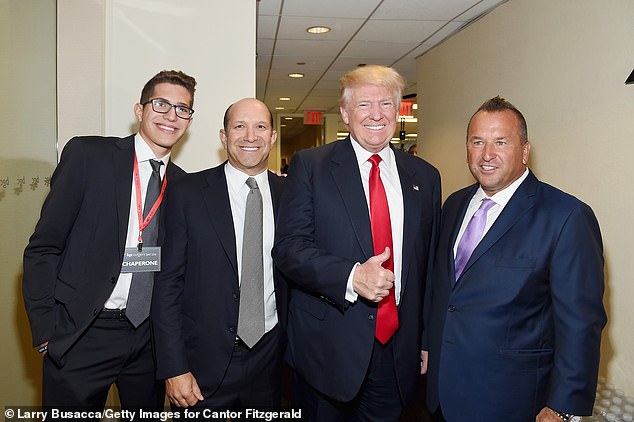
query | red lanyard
(139,206)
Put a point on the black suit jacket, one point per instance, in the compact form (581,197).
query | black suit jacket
(521,328)
(196,295)
(73,259)
(323,230)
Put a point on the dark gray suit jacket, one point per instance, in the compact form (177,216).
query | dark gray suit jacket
(322,231)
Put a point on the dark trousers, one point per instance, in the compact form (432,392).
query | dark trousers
(252,381)
(111,351)
(378,400)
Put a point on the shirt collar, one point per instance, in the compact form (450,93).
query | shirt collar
(237,179)
(386,154)
(144,153)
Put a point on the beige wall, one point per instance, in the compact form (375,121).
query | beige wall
(563,64)
(109,48)
(106,51)
(27,159)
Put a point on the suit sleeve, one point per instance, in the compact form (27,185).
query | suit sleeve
(297,252)
(45,249)
(577,284)
(167,298)
(433,245)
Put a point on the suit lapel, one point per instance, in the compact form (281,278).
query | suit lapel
(275,186)
(123,164)
(216,197)
(521,201)
(345,173)
(453,218)
(411,212)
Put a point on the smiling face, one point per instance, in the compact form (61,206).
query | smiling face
(495,154)
(371,113)
(162,131)
(249,136)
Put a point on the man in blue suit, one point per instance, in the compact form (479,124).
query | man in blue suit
(355,311)
(514,330)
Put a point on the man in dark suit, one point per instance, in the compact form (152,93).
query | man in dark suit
(515,325)
(200,305)
(354,238)
(75,289)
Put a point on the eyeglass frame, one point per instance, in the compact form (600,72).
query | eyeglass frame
(172,106)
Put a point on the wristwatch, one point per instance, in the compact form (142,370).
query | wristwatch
(567,417)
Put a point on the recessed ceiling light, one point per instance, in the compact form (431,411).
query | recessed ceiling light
(317,29)
(285,98)
(279,108)
(295,75)
(288,118)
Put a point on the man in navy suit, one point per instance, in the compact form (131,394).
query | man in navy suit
(75,291)
(346,363)
(515,328)
(196,309)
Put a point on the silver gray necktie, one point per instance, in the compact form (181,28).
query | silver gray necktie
(140,295)
(251,316)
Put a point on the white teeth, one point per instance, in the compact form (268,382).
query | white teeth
(250,148)
(488,167)
(170,129)
(375,127)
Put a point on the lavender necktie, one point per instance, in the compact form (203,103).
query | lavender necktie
(472,236)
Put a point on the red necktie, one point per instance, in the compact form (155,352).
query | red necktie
(387,315)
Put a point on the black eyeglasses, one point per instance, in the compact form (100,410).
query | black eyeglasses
(163,106)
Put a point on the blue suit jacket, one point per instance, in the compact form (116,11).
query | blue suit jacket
(323,230)
(521,327)
(196,296)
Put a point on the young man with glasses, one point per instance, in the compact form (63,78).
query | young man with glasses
(87,268)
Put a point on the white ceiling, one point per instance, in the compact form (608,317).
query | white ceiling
(387,32)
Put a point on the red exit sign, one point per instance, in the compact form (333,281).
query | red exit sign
(313,117)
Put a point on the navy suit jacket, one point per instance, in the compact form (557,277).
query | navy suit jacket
(73,259)
(196,295)
(521,328)
(322,231)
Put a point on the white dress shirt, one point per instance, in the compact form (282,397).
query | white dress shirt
(501,199)
(238,191)
(119,297)
(394,193)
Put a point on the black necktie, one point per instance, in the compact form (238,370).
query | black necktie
(140,296)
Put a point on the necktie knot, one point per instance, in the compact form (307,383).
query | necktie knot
(486,205)
(156,166)
(375,159)
(252,183)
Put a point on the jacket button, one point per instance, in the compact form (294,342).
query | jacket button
(371,317)
(451,308)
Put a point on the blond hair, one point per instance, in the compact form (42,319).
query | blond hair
(375,75)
